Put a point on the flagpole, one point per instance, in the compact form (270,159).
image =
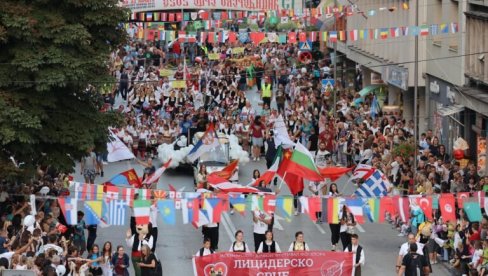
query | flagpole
(282,181)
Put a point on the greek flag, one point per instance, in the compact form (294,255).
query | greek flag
(375,186)
(117,210)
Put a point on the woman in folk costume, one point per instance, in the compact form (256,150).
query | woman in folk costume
(269,245)
(136,237)
(239,245)
(299,243)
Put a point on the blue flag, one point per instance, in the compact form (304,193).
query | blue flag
(167,210)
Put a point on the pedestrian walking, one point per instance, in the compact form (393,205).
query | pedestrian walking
(358,254)
(414,264)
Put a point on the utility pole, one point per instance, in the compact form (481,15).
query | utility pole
(416,87)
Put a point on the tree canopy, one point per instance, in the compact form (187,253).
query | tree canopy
(50,52)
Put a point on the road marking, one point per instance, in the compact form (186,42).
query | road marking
(181,189)
(277,223)
(321,230)
(360,228)
(227,229)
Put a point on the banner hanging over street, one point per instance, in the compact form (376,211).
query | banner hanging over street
(245,5)
(289,263)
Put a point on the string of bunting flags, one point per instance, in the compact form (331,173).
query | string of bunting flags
(159,33)
(327,11)
(108,205)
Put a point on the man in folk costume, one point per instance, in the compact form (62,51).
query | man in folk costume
(358,254)
(136,237)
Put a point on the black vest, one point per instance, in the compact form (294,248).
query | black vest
(243,245)
(269,248)
(135,244)
(203,249)
(358,252)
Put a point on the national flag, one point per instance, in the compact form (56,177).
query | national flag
(282,38)
(404,30)
(334,173)
(425,203)
(384,33)
(403,208)
(183,36)
(203,15)
(448,208)
(301,163)
(128,196)
(208,142)
(111,193)
(232,37)
(117,212)
(285,205)
(156,16)
(473,211)
(154,178)
(93,212)
(302,37)
(228,171)
(164,17)
(371,209)
(310,205)
(362,172)
(206,24)
(461,197)
(292,37)
(454,27)
(434,29)
(265,203)
(88,191)
(167,210)
(480,197)
(159,194)
(267,176)
(353,35)
(281,136)
(171,17)
(424,30)
(293,181)
(444,28)
(395,32)
(141,211)
(405,5)
(313,36)
(125,179)
(149,16)
(69,207)
(333,210)
(228,187)
(192,213)
(133,16)
(178,17)
(323,36)
(415,30)
(213,207)
(144,194)
(375,186)
(117,150)
(203,37)
(342,35)
(239,203)
(355,206)
(362,34)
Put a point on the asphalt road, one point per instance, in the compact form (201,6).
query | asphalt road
(177,243)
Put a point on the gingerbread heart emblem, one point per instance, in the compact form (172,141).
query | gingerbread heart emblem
(217,269)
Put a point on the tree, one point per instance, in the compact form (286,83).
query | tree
(50,52)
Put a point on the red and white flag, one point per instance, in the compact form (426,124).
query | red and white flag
(111,193)
(425,203)
(311,205)
(448,208)
(154,178)
(267,175)
(403,208)
(228,187)
(362,171)
(461,197)
(128,196)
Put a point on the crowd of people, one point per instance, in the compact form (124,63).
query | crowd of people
(159,111)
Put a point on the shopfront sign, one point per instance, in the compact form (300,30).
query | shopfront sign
(274,264)
(244,5)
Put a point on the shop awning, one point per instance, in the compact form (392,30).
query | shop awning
(368,90)
(450,110)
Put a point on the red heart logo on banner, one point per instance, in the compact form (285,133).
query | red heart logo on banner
(215,269)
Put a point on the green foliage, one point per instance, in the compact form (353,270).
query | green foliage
(404,149)
(50,52)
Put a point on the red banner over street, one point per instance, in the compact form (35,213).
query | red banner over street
(274,264)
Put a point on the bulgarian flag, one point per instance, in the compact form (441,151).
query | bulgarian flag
(301,163)
(141,211)
(294,182)
(268,175)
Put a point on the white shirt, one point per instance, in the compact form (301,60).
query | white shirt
(361,258)
(149,242)
(261,245)
(153,216)
(239,246)
(259,226)
(205,252)
(405,248)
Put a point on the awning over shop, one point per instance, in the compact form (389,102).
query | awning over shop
(368,90)
(450,110)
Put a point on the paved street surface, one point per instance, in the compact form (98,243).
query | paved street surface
(177,243)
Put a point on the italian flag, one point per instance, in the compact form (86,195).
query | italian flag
(301,163)
(424,30)
(141,211)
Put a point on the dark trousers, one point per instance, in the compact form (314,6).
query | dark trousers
(154,234)
(90,240)
(258,238)
(212,233)
(258,83)
(335,235)
(345,239)
(357,272)
(267,100)
(295,200)
(123,90)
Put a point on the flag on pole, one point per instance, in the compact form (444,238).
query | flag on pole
(141,211)
(154,178)
(228,187)
(117,211)
(117,150)
(127,178)
(376,185)
(301,163)
(69,207)
(267,176)
(362,172)
(228,171)
(208,142)
(334,173)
